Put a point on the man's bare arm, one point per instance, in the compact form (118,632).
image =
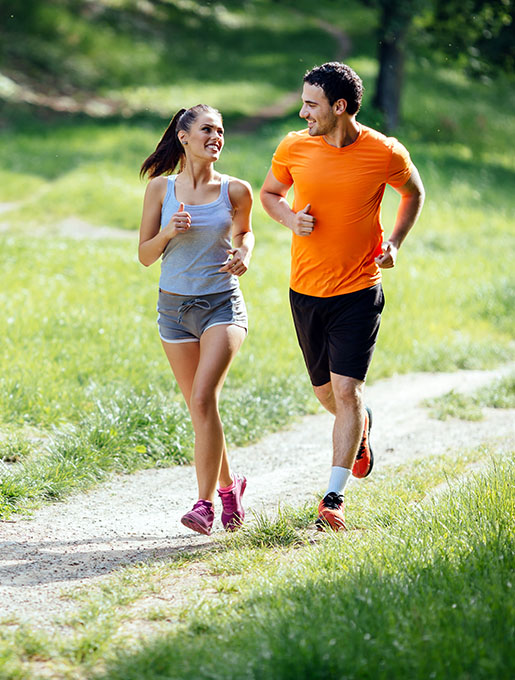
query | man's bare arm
(412,199)
(273,198)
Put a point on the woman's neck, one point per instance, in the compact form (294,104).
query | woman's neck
(197,184)
(195,173)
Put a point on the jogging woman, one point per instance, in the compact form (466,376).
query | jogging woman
(189,219)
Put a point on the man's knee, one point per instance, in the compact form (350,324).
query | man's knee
(347,391)
(324,394)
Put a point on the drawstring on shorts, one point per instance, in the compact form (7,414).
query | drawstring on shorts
(190,304)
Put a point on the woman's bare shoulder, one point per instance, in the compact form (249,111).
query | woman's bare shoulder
(157,184)
(239,190)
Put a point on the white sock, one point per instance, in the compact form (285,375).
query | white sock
(338,480)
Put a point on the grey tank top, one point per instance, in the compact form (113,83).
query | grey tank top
(191,260)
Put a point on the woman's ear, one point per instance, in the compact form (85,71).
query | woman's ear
(181,136)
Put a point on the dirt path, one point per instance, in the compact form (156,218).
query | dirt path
(136,518)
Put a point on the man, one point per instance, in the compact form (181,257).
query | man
(339,170)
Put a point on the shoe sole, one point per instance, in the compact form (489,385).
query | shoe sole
(323,525)
(369,446)
(368,437)
(236,524)
(195,526)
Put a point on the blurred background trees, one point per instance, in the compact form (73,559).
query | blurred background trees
(478,35)
(49,44)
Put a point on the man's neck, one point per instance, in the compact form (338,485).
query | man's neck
(344,134)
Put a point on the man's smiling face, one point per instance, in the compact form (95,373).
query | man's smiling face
(317,111)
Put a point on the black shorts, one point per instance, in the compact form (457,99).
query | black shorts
(337,334)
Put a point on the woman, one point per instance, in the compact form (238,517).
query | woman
(189,219)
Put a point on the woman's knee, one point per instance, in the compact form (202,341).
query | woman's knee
(203,402)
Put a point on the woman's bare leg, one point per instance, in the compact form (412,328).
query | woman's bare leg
(200,370)
(183,358)
(218,347)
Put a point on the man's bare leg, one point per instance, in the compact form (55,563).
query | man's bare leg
(343,397)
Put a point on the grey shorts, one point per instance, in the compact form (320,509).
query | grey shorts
(183,318)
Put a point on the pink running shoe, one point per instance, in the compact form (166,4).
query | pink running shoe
(233,513)
(200,517)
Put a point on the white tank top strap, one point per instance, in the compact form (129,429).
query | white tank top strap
(170,190)
(224,190)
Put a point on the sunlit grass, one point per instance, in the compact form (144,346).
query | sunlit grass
(234,98)
(499,394)
(402,595)
(414,560)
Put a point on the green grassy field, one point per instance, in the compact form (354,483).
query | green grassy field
(79,313)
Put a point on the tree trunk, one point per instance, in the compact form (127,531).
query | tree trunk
(390,79)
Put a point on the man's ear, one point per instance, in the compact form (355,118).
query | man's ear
(340,106)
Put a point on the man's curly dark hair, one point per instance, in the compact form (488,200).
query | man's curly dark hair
(338,81)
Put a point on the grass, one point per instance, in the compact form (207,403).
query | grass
(421,584)
(499,394)
(159,56)
(403,597)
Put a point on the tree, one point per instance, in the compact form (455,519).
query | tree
(477,33)
(395,20)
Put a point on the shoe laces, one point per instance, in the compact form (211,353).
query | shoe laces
(203,508)
(333,501)
(229,500)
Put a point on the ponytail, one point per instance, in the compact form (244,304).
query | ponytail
(170,151)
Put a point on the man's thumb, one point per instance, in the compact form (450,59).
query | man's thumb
(307,208)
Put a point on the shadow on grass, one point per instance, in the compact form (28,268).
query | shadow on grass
(115,47)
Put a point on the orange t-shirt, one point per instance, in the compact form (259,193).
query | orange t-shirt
(345,187)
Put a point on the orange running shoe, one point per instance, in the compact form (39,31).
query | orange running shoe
(365,458)
(330,513)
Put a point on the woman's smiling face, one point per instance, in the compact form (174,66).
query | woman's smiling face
(205,137)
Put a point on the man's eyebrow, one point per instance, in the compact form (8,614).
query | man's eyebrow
(308,101)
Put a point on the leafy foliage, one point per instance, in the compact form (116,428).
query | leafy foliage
(480,33)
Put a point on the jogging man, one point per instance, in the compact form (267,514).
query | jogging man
(339,169)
